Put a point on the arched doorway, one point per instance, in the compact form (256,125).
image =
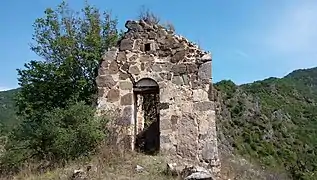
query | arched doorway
(147,126)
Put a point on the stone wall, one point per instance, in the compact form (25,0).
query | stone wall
(183,74)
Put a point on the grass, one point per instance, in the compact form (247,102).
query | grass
(235,167)
(116,165)
(107,164)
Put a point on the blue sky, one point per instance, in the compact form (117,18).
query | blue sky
(250,40)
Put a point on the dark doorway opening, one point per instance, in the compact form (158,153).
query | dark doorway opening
(147,115)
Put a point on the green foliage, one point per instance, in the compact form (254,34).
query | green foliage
(61,135)
(55,126)
(71,44)
(227,86)
(8,117)
(274,121)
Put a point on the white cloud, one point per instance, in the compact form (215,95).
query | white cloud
(295,31)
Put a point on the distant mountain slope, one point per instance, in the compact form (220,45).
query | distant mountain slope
(273,121)
(7,108)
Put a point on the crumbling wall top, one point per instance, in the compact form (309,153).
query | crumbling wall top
(154,39)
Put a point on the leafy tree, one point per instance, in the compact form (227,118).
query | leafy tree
(55,125)
(71,45)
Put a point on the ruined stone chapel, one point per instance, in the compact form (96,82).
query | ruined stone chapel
(158,85)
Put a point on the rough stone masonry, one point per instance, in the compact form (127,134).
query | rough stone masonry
(150,55)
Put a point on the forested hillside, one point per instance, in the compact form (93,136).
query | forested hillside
(8,117)
(272,122)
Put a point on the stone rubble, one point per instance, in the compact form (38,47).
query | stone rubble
(139,169)
(199,176)
(196,173)
(173,169)
(79,174)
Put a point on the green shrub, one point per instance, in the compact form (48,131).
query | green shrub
(61,135)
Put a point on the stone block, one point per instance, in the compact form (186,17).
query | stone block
(200,95)
(126,44)
(165,124)
(147,25)
(105,81)
(134,70)
(125,119)
(101,91)
(126,85)
(164,51)
(204,106)
(206,57)
(113,95)
(178,80)
(179,69)
(178,56)
(209,151)
(113,67)
(191,68)
(102,71)
(110,54)
(123,76)
(133,58)
(156,67)
(126,99)
(187,136)
(171,41)
(121,57)
(185,79)
(125,66)
(166,66)
(133,26)
(204,71)
(104,64)
(152,35)
(146,58)
(162,33)
(165,139)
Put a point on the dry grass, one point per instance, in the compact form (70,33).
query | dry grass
(238,168)
(107,164)
(112,164)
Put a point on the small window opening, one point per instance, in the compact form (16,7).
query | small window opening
(147,47)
